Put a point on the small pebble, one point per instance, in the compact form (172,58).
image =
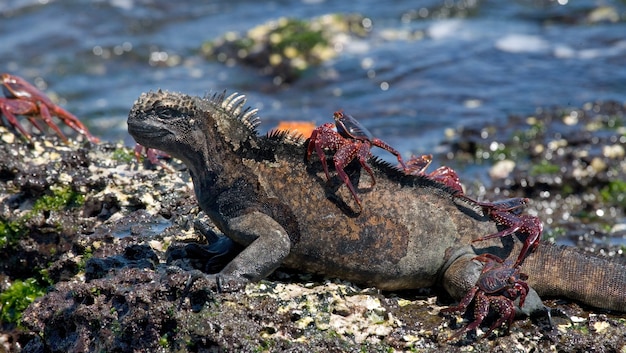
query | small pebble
(613,152)
(502,169)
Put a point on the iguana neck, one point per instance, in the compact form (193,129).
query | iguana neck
(216,167)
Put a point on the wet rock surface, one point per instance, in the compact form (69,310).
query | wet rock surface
(114,243)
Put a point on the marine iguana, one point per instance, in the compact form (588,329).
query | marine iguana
(411,233)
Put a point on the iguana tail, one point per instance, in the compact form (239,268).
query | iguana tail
(561,271)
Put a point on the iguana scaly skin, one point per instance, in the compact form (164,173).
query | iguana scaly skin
(411,233)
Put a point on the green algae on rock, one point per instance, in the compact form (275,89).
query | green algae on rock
(287,47)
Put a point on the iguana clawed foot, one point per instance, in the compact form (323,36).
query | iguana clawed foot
(212,283)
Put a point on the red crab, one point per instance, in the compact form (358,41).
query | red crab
(507,213)
(444,175)
(22,98)
(497,287)
(350,141)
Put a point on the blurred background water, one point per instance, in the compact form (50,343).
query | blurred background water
(424,67)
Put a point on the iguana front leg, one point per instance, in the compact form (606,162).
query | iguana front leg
(267,244)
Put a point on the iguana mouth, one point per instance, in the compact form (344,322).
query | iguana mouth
(145,133)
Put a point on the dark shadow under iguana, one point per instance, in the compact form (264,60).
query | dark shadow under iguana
(411,233)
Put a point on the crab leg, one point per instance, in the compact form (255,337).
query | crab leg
(343,157)
(47,118)
(13,120)
(72,121)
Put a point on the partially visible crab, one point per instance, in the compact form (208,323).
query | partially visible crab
(498,286)
(507,213)
(444,175)
(350,141)
(153,156)
(22,98)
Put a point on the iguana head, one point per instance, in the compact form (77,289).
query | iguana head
(165,121)
(190,127)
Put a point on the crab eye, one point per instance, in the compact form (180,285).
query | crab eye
(7,92)
(341,127)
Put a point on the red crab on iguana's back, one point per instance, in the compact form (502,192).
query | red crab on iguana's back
(351,140)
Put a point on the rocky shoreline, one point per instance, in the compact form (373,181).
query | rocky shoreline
(110,242)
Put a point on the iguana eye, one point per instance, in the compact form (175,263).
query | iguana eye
(166,112)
